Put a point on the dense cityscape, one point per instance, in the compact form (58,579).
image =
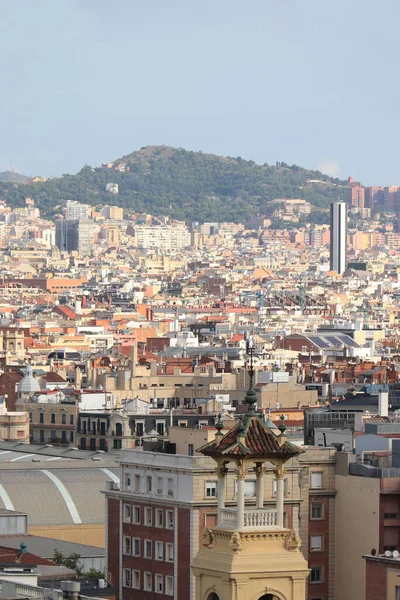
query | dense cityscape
(199,300)
(134,346)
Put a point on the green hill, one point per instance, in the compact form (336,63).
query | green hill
(185,185)
(12,176)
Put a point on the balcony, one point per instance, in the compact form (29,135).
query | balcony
(253,519)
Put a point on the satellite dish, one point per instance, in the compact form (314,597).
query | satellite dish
(388,553)
(396,554)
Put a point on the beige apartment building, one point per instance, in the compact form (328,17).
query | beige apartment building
(167,237)
(178,495)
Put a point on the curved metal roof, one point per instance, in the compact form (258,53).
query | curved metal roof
(51,496)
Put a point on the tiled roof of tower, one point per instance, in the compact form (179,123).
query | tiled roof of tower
(250,438)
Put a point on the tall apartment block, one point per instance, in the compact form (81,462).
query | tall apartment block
(355,195)
(390,195)
(373,197)
(338,241)
(75,210)
(75,235)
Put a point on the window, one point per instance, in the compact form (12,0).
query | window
(169,521)
(30,417)
(136,515)
(158,584)
(41,417)
(53,418)
(71,419)
(159,551)
(71,437)
(160,486)
(137,483)
(127,513)
(190,449)
(64,419)
(170,491)
(147,517)
(136,580)
(126,581)
(102,445)
(147,582)
(41,435)
(159,517)
(285,487)
(397,592)
(211,489)
(317,510)
(390,515)
(136,546)
(315,542)
(63,436)
(160,428)
(316,575)
(316,480)
(127,545)
(149,484)
(83,443)
(139,431)
(148,549)
(128,481)
(169,585)
(169,552)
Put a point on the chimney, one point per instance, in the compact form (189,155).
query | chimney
(133,361)
(70,589)
(383,404)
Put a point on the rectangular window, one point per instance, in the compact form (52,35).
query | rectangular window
(41,417)
(63,419)
(169,523)
(71,437)
(128,481)
(126,580)
(169,552)
(137,483)
(127,513)
(149,484)
(147,517)
(170,491)
(317,511)
(249,489)
(190,449)
(315,543)
(158,584)
(160,486)
(159,517)
(71,419)
(211,489)
(169,585)
(159,551)
(136,546)
(316,575)
(316,480)
(147,582)
(127,545)
(148,549)
(160,428)
(136,580)
(136,515)
(52,418)
(285,487)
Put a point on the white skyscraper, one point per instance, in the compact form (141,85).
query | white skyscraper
(338,250)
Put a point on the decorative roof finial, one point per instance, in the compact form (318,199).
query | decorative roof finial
(282,427)
(251,396)
(219,424)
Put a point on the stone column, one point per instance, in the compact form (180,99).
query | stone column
(280,493)
(221,472)
(240,478)
(259,470)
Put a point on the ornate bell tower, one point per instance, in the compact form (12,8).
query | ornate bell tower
(249,555)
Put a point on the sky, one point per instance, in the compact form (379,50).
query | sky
(308,82)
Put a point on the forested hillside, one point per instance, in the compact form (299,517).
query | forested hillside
(185,185)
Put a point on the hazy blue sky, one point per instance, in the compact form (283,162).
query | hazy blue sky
(311,82)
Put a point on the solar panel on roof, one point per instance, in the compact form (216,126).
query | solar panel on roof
(319,341)
(334,340)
